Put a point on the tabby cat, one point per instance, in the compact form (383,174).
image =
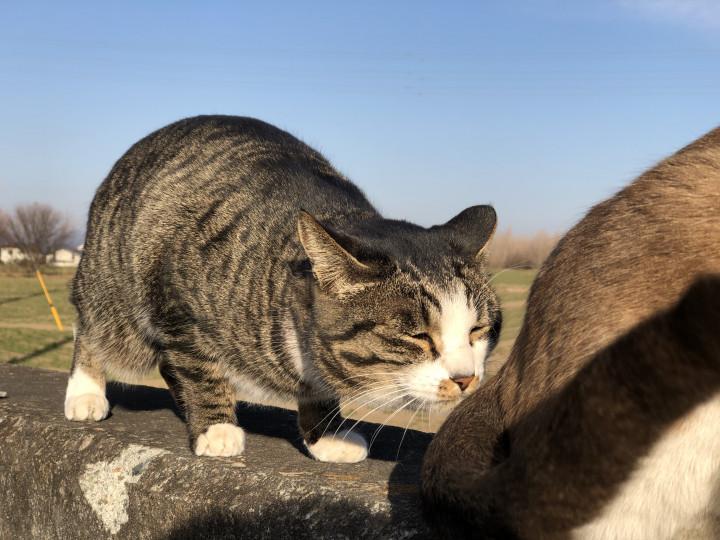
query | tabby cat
(605,421)
(234,257)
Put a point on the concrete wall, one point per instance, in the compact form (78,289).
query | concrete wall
(133,476)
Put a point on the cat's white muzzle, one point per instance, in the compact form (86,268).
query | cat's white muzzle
(451,377)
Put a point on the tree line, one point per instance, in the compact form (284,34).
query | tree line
(39,229)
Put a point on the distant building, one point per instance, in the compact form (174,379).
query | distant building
(11,254)
(64,257)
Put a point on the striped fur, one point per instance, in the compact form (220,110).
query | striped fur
(231,255)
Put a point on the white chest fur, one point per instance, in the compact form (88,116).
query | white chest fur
(672,489)
(249,390)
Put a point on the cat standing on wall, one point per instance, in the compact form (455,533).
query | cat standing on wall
(605,421)
(234,257)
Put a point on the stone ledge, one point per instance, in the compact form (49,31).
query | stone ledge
(133,475)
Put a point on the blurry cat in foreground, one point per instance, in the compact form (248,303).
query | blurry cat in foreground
(234,257)
(605,421)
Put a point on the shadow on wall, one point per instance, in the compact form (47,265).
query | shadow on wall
(405,447)
(315,516)
(392,443)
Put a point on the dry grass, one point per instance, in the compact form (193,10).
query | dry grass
(509,250)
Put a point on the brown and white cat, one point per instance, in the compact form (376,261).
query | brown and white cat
(605,421)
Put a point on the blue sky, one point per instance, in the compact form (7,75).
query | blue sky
(539,107)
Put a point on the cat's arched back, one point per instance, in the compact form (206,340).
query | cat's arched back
(631,258)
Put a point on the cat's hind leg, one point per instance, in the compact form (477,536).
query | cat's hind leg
(315,420)
(207,400)
(85,394)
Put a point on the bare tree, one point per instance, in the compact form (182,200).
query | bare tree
(37,229)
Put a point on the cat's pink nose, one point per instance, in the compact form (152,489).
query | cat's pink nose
(463,382)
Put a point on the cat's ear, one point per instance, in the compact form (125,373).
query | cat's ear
(472,229)
(337,270)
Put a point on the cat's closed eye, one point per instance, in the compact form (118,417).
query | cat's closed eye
(423,336)
(425,340)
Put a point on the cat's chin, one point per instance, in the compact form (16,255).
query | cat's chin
(447,404)
(444,406)
(442,395)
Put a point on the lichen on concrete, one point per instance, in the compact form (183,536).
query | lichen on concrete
(104,484)
(134,476)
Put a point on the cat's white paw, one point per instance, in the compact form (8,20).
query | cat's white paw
(86,407)
(221,440)
(343,447)
(85,397)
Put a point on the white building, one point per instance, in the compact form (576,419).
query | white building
(11,254)
(64,257)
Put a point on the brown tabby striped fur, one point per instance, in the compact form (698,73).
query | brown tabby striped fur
(233,256)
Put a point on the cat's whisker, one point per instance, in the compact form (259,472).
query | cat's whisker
(385,404)
(360,396)
(384,423)
(336,410)
(367,390)
(396,386)
(397,456)
(351,413)
(373,400)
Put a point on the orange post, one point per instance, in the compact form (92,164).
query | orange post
(54,311)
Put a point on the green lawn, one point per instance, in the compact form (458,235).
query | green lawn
(28,335)
(512,286)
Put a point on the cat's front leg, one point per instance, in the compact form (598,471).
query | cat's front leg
(208,402)
(317,420)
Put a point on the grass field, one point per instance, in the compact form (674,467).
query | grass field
(28,335)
